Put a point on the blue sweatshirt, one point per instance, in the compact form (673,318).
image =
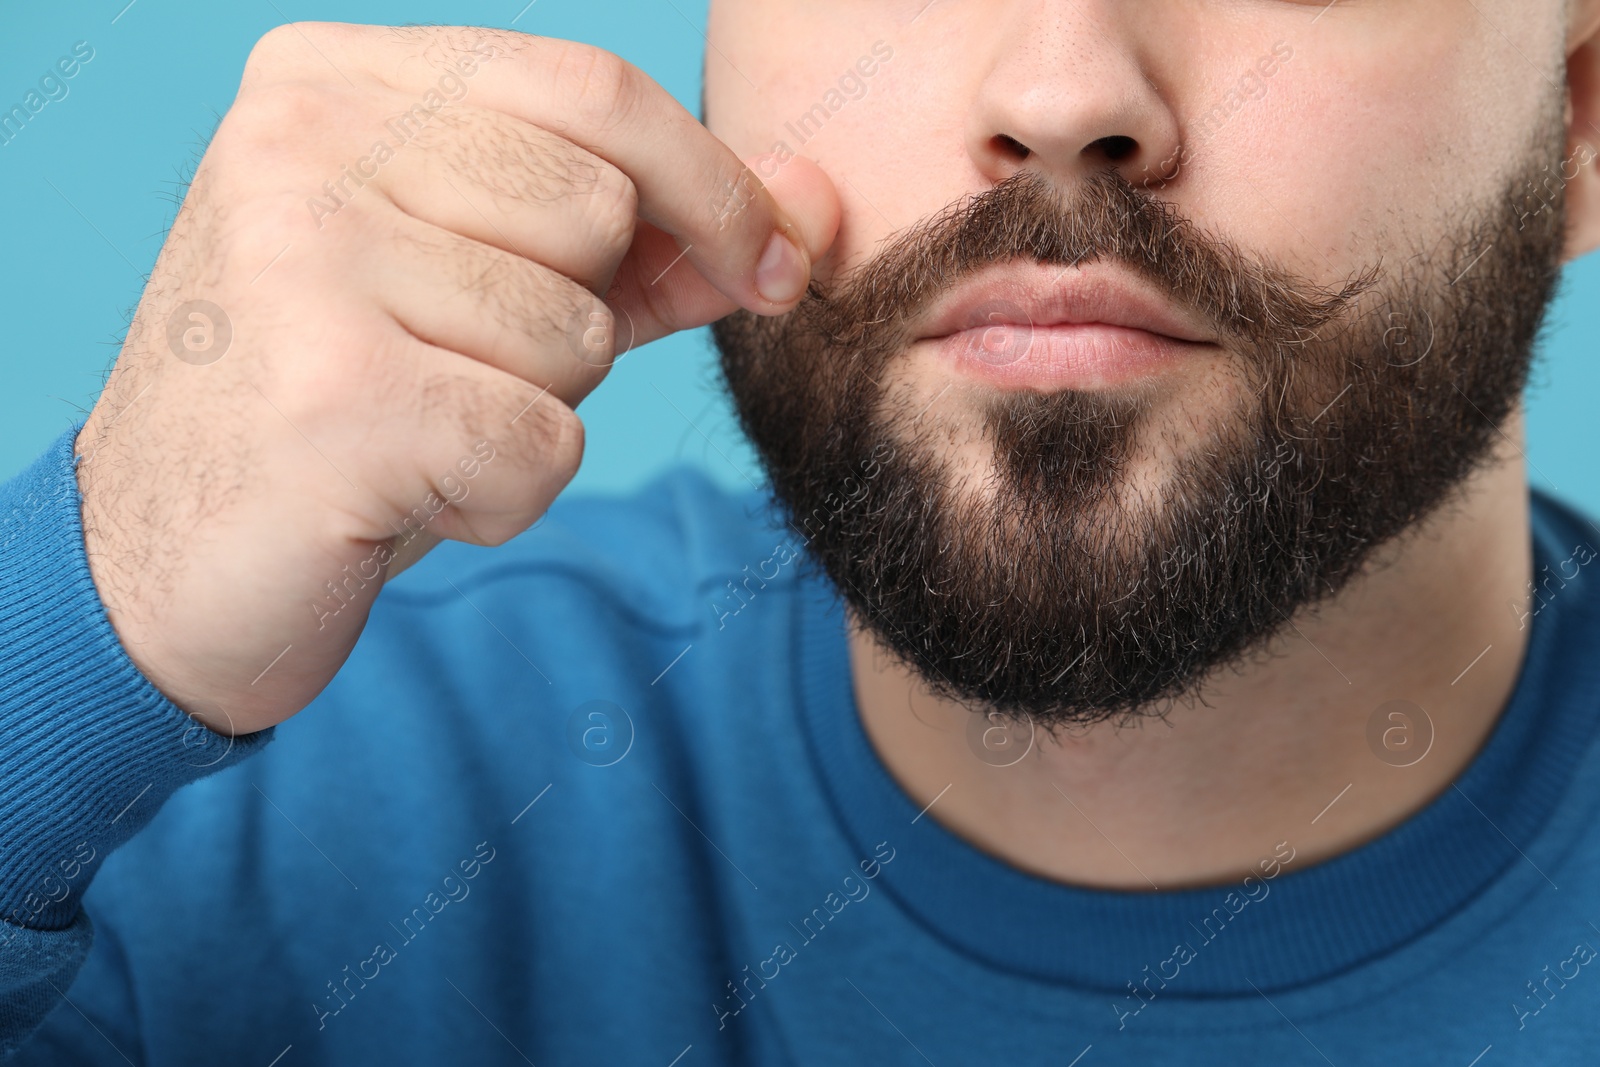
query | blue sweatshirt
(601,796)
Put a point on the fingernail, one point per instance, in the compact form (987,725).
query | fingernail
(782,274)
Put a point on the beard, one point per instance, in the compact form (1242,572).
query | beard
(1050,582)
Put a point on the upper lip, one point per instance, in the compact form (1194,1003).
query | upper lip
(1033,294)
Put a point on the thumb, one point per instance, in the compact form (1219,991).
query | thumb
(656,291)
(808,195)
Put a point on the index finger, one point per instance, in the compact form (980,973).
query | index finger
(690,184)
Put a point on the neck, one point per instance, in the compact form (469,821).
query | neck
(1285,749)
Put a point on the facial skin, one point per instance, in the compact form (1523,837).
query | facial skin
(1387,132)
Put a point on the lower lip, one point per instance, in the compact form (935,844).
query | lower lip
(1064,356)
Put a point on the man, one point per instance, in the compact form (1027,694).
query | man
(1155,653)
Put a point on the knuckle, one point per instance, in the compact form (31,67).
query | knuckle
(286,44)
(566,449)
(554,438)
(597,85)
(591,337)
(489,533)
(614,212)
(262,233)
(331,359)
(270,47)
(277,115)
(490,529)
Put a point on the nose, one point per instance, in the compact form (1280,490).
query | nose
(1064,91)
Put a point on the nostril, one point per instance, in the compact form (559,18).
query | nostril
(1012,147)
(1116,148)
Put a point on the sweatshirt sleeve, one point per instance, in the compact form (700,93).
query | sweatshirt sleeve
(89,749)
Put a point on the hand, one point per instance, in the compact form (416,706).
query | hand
(370,324)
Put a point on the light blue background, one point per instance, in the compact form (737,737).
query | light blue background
(87,192)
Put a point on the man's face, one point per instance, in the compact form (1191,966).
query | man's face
(1317,240)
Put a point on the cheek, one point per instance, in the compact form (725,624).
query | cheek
(892,146)
(1353,153)
(897,154)
(768,63)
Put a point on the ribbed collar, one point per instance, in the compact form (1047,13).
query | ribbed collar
(1316,921)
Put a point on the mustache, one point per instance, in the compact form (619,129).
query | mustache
(1251,302)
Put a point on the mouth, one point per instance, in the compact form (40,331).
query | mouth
(1026,325)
